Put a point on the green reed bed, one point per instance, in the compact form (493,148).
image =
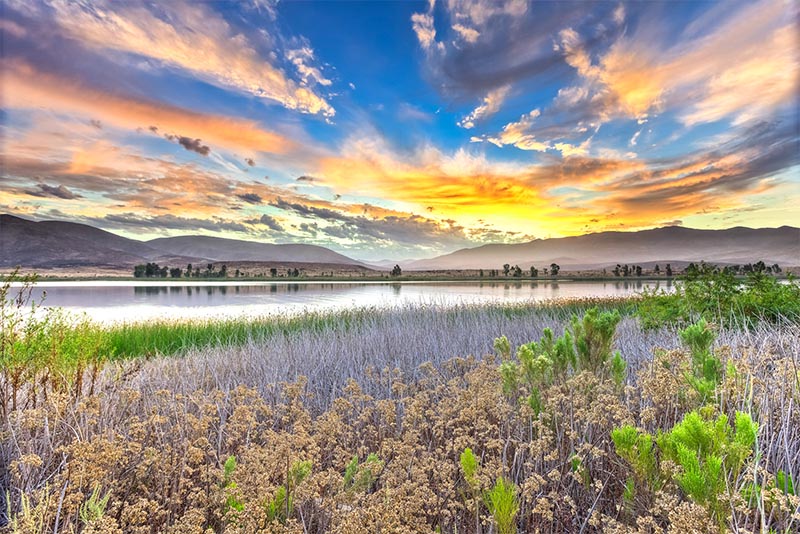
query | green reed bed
(169,337)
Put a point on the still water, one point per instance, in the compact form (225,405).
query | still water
(110,302)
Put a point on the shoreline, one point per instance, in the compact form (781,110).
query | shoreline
(344,280)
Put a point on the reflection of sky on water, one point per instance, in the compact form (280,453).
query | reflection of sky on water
(125,301)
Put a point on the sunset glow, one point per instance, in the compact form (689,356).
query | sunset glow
(400,129)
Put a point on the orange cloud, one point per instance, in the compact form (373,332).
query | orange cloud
(23,86)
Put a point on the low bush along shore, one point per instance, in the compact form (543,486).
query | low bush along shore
(668,414)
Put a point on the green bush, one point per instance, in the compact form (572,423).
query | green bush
(585,345)
(503,503)
(233,502)
(709,452)
(706,368)
(44,347)
(281,506)
(717,296)
(362,476)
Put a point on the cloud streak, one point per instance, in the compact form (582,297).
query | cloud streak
(195,39)
(25,87)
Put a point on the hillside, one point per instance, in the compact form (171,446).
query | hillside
(220,249)
(53,244)
(673,244)
(57,243)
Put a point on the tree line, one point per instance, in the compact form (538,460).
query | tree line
(154,270)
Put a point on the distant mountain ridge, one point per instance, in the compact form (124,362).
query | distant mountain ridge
(64,244)
(221,249)
(674,244)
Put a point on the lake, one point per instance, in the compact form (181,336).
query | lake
(123,301)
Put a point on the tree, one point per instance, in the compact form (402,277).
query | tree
(554,268)
(197,272)
(176,272)
(481,273)
(657,269)
(544,271)
(273,272)
(238,273)
(669,270)
(534,272)
(776,268)
(150,270)
(163,272)
(517,272)
(506,268)
(223,272)
(188,270)
(396,270)
(638,270)
(626,271)
(138,271)
(616,270)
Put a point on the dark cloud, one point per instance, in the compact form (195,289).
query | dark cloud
(252,198)
(195,145)
(411,229)
(53,191)
(168,222)
(250,162)
(153,129)
(309,228)
(268,221)
(96,123)
(308,179)
(512,47)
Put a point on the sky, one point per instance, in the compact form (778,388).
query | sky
(399,130)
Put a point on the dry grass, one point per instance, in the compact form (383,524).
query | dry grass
(412,387)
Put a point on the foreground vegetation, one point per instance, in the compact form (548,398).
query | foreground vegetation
(578,419)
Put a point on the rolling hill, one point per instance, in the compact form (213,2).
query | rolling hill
(57,243)
(48,244)
(220,249)
(672,244)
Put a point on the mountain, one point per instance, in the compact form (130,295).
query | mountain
(66,244)
(220,249)
(672,244)
(57,243)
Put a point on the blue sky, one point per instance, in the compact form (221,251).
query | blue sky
(400,129)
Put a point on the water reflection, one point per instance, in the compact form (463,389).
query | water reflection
(114,301)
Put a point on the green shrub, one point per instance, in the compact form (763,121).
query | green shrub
(717,296)
(503,347)
(469,468)
(281,506)
(706,367)
(362,476)
(709,452)
(503,503)
(94,508)
(44,347)
(637,449)
(585,345)
(594,336)
(233,502)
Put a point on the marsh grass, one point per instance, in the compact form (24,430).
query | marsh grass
(169,337)
(360,422)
